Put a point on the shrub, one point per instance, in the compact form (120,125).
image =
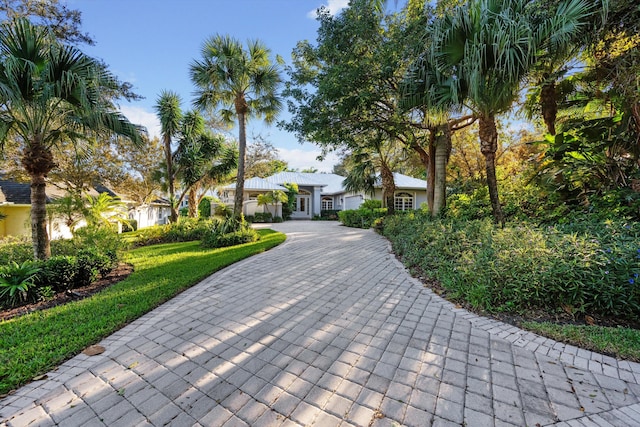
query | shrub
(91,265)
(229,232)
(130,225)
(17,283)
(277,219)
(59,272)
(250,219)
(261,217)
(16,249)
(328,214)
(371,204)
(582,268)
(361,217)
(204,207)
(223,210)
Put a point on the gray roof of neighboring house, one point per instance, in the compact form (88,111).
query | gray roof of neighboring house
(19,193)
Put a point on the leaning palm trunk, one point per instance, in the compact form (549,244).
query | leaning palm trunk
(488,147)
(173,216)
(242,150)
(388,188)
(441,156)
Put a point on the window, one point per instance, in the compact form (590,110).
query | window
(327,203)
(403,202)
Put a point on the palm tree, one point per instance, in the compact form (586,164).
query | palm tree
(239,83)
(201,155)
(51,93)
(483,51)
(170,115)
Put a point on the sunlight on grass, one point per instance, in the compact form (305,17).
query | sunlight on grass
(624,343)
(35,343)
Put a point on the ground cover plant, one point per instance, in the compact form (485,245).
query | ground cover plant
(584,270)
(35,343)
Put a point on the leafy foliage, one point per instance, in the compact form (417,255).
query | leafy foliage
(229,232)
(17,283)
(362,217)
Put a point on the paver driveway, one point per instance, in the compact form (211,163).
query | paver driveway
(327,329)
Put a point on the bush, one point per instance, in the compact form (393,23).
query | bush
(223,210)
(229,233)
(250,219)
(261,217)
(371,204)
(185,230)
(59,272)
(16,249)
(328,215)
(361,217)
(277,219)
(91,265)
(204,207)
(582,268)
(130,225)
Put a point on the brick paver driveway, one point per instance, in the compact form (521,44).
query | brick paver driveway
(327,329)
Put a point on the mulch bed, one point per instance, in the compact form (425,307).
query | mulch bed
(117,274)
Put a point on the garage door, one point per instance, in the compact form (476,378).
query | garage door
(352,202)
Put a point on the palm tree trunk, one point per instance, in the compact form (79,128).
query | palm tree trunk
(488,146)
(242,151)
(193,202)
(441,157)
(431,170)
(39,234)
(549,106)
(173,216)
(388,188)
(426,161)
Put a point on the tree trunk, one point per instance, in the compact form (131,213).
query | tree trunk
(441,157)
(242,152)
(168,157)
(488,146)
(39,234)
(388,188)
(426,161)
(549,106)
(431,170)
(193,202)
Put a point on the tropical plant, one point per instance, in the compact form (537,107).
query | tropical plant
(482,51)
(170,115)
(51,93)
(272,197)
(16,280)
(104,210)
(240,83)
(200,154)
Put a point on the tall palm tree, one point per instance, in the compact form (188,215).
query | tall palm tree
(170,115)
(239,83)
(51,93)
(484,49)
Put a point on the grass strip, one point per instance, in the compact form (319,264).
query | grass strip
(619,342)
(34,344)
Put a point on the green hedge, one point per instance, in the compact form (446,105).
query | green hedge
(586,267)
(362,217)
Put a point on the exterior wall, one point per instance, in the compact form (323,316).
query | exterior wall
(251,207)
(148,216)
(419,196)
(17,222)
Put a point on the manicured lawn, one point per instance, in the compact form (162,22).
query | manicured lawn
(620,342)
(34,344)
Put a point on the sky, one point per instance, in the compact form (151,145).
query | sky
(151,43)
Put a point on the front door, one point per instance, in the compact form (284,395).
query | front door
(302,208)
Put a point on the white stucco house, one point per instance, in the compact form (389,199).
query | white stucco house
(323,191)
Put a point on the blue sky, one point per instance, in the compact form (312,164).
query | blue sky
(150,43)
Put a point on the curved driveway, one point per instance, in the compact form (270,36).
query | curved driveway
(327,329)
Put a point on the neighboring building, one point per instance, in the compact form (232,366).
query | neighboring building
(15,204)
(324,191)
(149,214)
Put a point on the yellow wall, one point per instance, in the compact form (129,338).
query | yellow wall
(17,221)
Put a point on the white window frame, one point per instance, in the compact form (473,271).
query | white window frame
(327,203)
(404,201)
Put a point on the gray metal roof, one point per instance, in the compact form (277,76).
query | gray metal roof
(259,184)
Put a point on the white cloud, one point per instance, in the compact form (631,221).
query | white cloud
(334,7)
(303,159)
(140,116)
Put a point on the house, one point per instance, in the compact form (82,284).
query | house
(15,205)
(324,191)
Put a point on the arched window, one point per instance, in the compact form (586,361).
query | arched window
(403,202)
(327,203)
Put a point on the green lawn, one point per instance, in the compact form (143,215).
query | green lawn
(34,344)
(619,342)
